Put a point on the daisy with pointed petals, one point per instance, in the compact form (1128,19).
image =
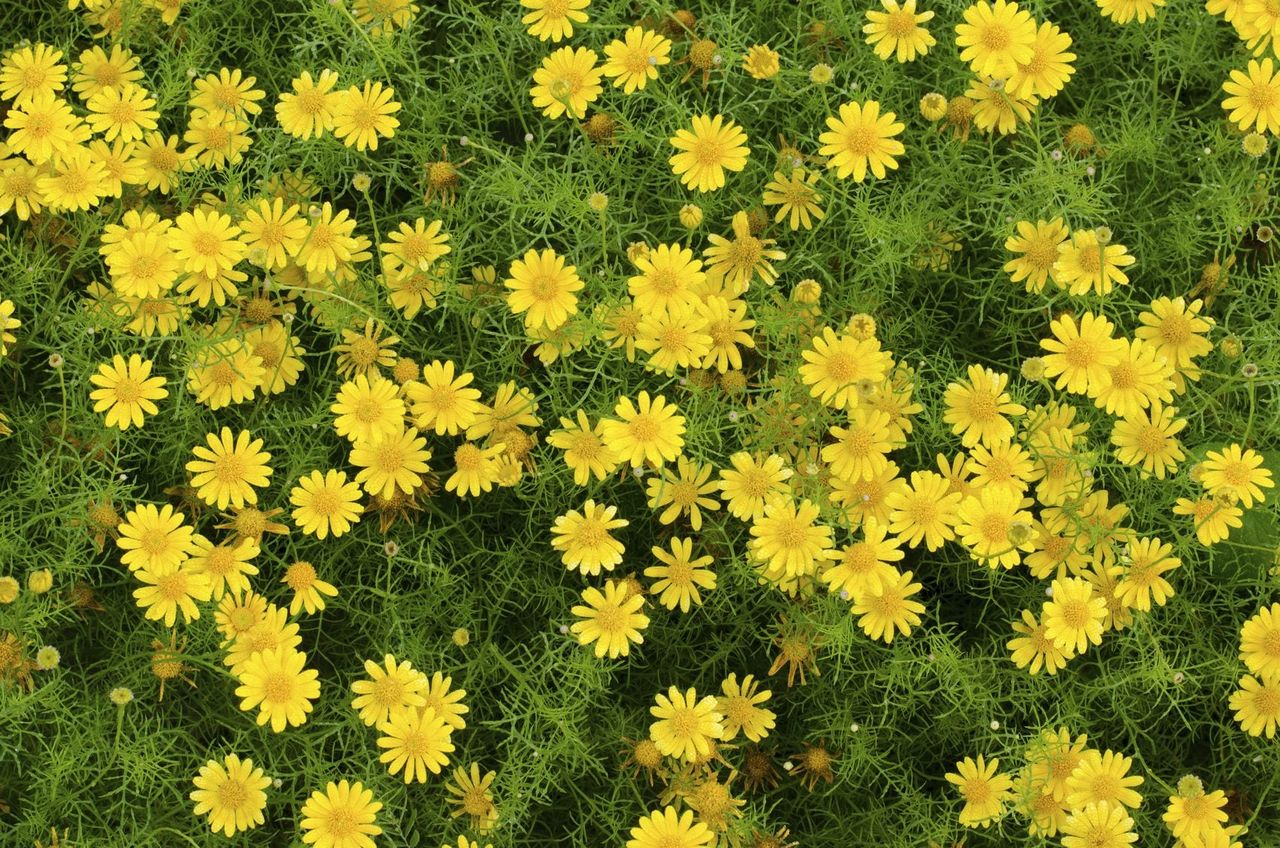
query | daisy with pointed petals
(1260,642)
(308,110)
(231,794)
(476,469)
(584,540)
(713,145)
(473,797)
(30,71)
(541,288)
(367,407)
(227,471)
(416,245)
(680,576)
(342,816)
(751,482)
(445,701)
(860,565)
(898,31)
(925,511)
(649,430)
(1257,705)
(417,741)
(994,40)
(228,565)
(667,828)
(391,462)
(1087,263)
(125,113)
(1149,439)
(1194,817)
(977,408)
(567,82)
(228,91)
(888,606)
(686,727)
(1236,474)
(361,116)
(443,401)
(585,450)
(273,233)
(76,182)
(1079,354)
(860,450)
(633,60)
(330,242)
(1049,68)
(1032,649)
(741,707)
(1143,583)
(126,391)
(733,263)
(995,109)
(1102,777)
(325,503)
(277,682)
(1214,518)
(553,20)
(1036,247)
(611,619)
(761,62)
(156,539)
(42,128)
(788,540)
(795,196)
(861,138)
(1178,332)
(836,365)
(988,522)
(685,492)
(391,688)
(983,789)
(669,281)
(1100,825)
(167,591)
(1073,618)
(206,242)
(726,323)
(96,70)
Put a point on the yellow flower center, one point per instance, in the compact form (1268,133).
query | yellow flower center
(300,576)
(232,794)
(900,24)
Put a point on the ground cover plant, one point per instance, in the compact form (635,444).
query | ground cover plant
(587,422)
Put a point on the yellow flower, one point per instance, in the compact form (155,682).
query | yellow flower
(97,70)
(666,828)
(977,408)
(836,366)
(1124,11)
(1103,778)
(363,115)
(443,401)
(704,152)
(388,691)
(752,482)
(308,110)
(231,794)
(392,462)
(897,31)
(472,797)
(741,707)
(1032,649)
(168,590)
(1080,354)
(227,471)
(1100,825)
(686,726)
(126,113)
(1213,517)
(984,791)
(1049,68)
(1236,474)
(541,287)
(648,431)
(994,40)
(734,263)
(680,576)
(633,60)
(273,233)
(761,62)
(417,741)
(669,281)
(583,538)
(795,196)
(228,91)
(787,540)
(567,83)
(476,469)
(888,606)
(1073,618)
(1036,247)
(342,816)
(611,619)
(126,391)
(31,71)
(158,540)
(325,503)
(553,20)
(585,450)
(1257,705)
(206,242)
(277,683)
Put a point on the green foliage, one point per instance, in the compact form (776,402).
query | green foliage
(1169,178)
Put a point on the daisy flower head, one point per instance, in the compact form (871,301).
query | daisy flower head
(796,197)
(888,606)
(669,280)
(361,116)
(1087,262)
(861,139)
(325,503)
(733,263)
(1102,777)
(228,471)
(126,113)
(1073,618)
(712,145)
(169,590)
(898,31)
(476,469)
(686,726)
(231,794)
(1178,332)
(995,39)
(567,82)
(1080,353)
(126,391)
(978,409)
(584,538)
(278,684)
(152,538)
(1236,473)
(761,62)
(788,541)
(837,366)
(308,110)
(343,815)
(553,20)
(1149,439)
(611,619)
(741,705)
(668,828)
(633,60)
(984,790)
(389,689)
(1100,825)
(96,69)
(1213,517)
(392,462)
(1032,649)
(1260,642)
(1049,68)
(751,481)
(585,450)
(647,430)
(417,741)
(443,401)
(1257,705)
(680,576)
(541,287)
(1140,378)
(30,71)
